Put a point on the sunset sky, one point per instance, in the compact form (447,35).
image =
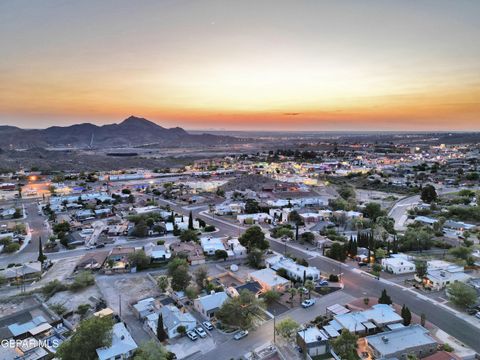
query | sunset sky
(266,65)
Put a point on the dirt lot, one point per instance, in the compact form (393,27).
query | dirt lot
(60,270)
(127,289)
(16,304)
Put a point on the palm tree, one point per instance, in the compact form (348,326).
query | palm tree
(292,291)
(310,286)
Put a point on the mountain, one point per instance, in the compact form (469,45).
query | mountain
(133,131)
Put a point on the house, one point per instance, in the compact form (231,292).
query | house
(254,218)
(208,305)
(144,307)
(172,318)
(157,252)
(192,251)
(117,259)
(401,342)
(82,215)
(441,273)
(92,260)
(313,340)
(269,280)
(25,272)
(123,346)
(425,220)
(294,270)
(398,265)
(310,217)
(458,225)
(238,250)
(7,213)
(103,213)
(368,321)
(211,245)
(253,286)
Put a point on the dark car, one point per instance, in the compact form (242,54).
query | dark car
(100,246)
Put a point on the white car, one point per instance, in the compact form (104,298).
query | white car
(192,335)
(199,330)
(477,315)
(240,335)
(308,303)
(207,325)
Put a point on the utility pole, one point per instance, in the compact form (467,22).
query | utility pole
(120,305)
(274,327)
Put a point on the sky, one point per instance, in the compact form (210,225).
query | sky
(242,65)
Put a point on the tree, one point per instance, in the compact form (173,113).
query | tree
(41,256)
(182,330)
(251,206)
(90,335)
(421,269)
(190,221)
(221,254)
(162,283)
(17,214)
(188,235)
(373,210)
(12,247)
(191,292)
(82,280)
(461,294)
(310,286)
(175,263)
(201,276)
(255,258)
(271,296)
(406,315)
(308,237)
(287,328)
(254,238)
(345,346)
(384,298)
(240,311)
(161,334)
(141,229)
(138,259)
(292,291)
(180,278)
(151,350)
(461,252)
(295,217)
(337,252)
(429,194)
(380,253)
(284,232)
(423,318)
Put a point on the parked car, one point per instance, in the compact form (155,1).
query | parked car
(307,303)
(192,335)
(199,330)
(100,246)
(207,325)
(477,315)
(323,283)
(240,335)
(361,264)
(471,311)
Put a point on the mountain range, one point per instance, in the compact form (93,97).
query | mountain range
(133,131)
